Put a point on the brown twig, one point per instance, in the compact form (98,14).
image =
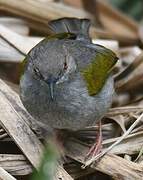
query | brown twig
(114,144)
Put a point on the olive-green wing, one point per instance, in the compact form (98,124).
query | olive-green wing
(96,73)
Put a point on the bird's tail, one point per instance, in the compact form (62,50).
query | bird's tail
(80,27)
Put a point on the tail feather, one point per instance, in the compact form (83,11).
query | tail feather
(80,27)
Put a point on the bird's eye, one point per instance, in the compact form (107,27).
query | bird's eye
(37,72)
(65,66)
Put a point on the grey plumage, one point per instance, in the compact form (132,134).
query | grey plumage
(72,107)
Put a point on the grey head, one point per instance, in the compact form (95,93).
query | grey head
(51,60)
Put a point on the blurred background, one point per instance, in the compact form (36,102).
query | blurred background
(132,8)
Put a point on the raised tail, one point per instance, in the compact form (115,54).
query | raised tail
(80,27)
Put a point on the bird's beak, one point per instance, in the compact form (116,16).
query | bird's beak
(51,89)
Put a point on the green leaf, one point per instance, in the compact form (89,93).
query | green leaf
(48,164)
(96,73)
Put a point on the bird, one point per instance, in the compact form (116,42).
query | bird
(67,81)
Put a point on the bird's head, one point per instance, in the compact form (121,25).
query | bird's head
(53,70)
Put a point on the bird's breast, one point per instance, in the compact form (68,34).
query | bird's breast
(72,108)
(78,108)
